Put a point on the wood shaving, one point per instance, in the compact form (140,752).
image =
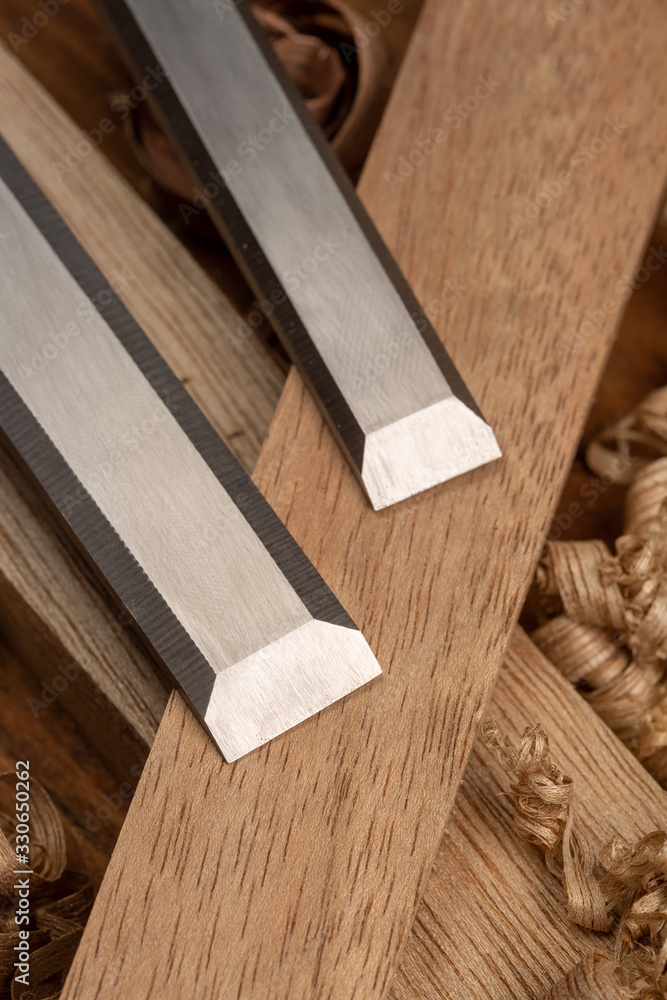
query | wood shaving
(607,612)
(60,900)
(618,887)
(632,442)
(544,815)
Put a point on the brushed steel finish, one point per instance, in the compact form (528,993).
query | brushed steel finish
(347,303)
(165,503)
(157,491)
(309,231)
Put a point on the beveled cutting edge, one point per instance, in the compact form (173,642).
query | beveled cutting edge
(378,371)
(222,593)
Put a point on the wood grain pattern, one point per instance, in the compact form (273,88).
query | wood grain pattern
(637,366)
(296,872)
(492,922)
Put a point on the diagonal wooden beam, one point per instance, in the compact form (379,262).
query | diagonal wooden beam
(296,872)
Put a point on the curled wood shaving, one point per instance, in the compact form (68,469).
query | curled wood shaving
(572,570)
(60,900)
(607,613)
(597,977)
(544,815)
(620,689)
(618,883)
(542,793)
(632,442)
(645,508)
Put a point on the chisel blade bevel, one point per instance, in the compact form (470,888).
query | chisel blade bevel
(262,168)
(221,592)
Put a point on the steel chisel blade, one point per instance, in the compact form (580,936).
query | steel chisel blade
(213,580)
(389,391)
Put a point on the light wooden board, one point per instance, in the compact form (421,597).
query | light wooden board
(296,872)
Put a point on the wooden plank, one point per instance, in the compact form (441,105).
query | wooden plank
(492,922)
(296,872)
(589,507)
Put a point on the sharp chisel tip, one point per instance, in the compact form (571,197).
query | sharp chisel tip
(425,449)
(285,683)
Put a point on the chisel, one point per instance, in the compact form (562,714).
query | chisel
(204,568)
(321,273)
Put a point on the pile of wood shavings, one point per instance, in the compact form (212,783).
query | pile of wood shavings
(60,900)
(621,887)
(607,630)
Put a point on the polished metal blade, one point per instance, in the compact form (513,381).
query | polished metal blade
(322,275)
(222,593)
